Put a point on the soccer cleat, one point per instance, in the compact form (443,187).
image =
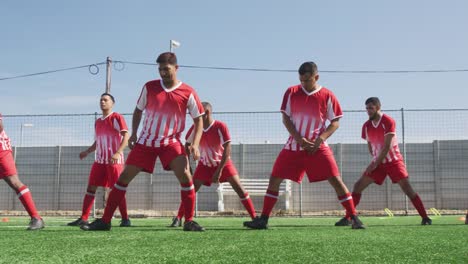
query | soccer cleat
(343,222)
(125,223)
(426,221)
(193,226)
(356,223)
(36,224)
(257,223)
(176,222)
(78,222)
(97,225)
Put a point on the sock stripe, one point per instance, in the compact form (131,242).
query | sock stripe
(191,187)
(346,199)
(90,194)
(22,192)
(271,195)
(245,198)
(118,187)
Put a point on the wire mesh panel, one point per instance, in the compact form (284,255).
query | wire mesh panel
(434,144)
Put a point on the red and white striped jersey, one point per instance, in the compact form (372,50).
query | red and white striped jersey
(375,135)
(108,137)
(309,112)
(165,112)
(5,142)
(211,143)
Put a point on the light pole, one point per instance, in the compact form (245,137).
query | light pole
(173,44)
(21,132)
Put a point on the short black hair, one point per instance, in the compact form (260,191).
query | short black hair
(167,57)
(308,67)
(110,95)
(374,101)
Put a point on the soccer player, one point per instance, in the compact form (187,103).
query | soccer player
(9,174)
(305,109)
(165,103)
(380,133)
(111,138)
(215,161)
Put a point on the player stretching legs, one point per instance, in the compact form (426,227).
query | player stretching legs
(306,108)
(215,162)
(165,103)
(9,174)
(111,138)
(380,133)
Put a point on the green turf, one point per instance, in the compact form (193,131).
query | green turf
(289,240)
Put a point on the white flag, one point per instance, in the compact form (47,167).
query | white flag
(175,44)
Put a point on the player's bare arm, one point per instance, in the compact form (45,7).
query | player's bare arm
(123,145)
(89,150)
(137,113)
(197,133)
(332,127)
(383,153)
(304,142)
(1,125)
(224,159)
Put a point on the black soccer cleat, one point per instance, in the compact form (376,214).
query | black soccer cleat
(426,221)
(193,226)
(356,223)
(78,222)
(176,222)
(257,223)
(125,223)
(343,222)
(36,224)
(97,225)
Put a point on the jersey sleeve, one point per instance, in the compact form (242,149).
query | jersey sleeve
(119,123)
(189,136)
(223,133)
(194,105)
(142,100)
(286,104)
(333,108)
(389,125)
(364,132)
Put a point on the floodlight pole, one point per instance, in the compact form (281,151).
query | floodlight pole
(108,74)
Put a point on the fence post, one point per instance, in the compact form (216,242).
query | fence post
(57,179)
(300,199)
(339,158)
(241,159)
(404,150)
(437,175)
(13,194)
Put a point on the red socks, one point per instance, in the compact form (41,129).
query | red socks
(87,204)
(247,202)
(116,196)
(271,197)
(347,202)
(187,194)
(356,200)
(418,204)
(123,208)
(24,195)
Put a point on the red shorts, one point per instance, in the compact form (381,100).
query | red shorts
(293,164)
(145,157)
(205,174)
(395,170)
(7,164)
(104,175)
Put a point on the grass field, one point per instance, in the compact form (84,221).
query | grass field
(289,240)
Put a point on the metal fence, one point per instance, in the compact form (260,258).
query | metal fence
(434,143)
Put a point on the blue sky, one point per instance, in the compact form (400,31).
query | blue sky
(338,35)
